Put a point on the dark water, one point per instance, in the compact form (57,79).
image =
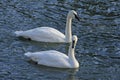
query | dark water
(98,48)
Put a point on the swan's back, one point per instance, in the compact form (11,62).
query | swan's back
(50,58)
(44,34)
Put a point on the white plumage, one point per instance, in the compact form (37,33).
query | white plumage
(55,58)
(49,58)
(48,34)
(43,34)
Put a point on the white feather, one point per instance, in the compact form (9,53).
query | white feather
(44,34)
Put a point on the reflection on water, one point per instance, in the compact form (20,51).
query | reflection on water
(97,50)
(55,73)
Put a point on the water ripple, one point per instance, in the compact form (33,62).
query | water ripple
(97,50)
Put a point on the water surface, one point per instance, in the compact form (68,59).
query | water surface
(97,50)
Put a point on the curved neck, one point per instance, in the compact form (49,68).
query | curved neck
(74,63)
(68,32)
(71,54)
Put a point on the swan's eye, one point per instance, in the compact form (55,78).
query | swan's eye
(73,44)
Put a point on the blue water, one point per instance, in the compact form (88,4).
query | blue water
(97,50)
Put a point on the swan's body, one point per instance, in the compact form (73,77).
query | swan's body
(48,34)
(50,58)
(54,58)
(44,34)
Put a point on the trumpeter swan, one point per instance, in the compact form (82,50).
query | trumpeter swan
(53,58)
(48,34)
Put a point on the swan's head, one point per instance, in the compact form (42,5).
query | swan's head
(74,41)
(73,14)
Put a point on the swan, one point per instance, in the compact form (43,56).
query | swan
(48,34)
(53,58)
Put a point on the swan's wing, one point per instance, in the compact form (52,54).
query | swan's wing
(45,34)
(50,58)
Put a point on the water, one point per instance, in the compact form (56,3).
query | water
(98,48)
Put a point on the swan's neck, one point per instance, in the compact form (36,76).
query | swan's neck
(68,32)
(73,61)
(71,54)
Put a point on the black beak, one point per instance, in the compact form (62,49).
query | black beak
(73,44)
(77,17)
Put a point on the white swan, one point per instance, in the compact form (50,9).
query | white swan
(53,58)
(48,34)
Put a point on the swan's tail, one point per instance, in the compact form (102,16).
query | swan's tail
(28,54)
(18,33)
